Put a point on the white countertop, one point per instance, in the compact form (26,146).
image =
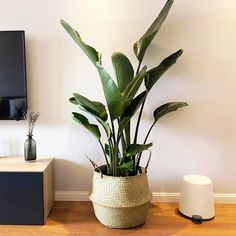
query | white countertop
(18,164)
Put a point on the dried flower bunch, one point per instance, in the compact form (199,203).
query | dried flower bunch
(31,118)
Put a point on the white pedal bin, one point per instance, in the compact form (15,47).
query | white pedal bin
(197,197)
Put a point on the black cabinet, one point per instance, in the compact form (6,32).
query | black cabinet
(26,197)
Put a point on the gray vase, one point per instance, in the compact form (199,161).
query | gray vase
(30,149)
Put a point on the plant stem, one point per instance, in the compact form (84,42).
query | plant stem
(139,64)
(124,145)
(144,142)
(136,130)
(135,166)
(114,157)
(104,152)
(138,122)
(113,132)
(120,136)
(111,155)
(127,133)
(141,110)
(149,158)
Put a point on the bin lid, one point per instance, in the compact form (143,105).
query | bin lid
(197,179)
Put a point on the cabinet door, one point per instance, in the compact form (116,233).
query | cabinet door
(21,198)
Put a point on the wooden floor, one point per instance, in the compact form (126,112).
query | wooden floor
(77,219)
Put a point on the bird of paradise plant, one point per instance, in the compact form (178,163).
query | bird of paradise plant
(121,151)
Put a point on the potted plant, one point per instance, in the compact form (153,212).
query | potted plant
(120,192)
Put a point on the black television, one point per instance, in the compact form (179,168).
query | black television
(13,88)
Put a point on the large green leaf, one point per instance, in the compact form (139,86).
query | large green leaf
(141,46)
(112,93)
(84,121)
(127,166)
(94,107)
(131,109)
(155,73)
(134,85)
(123,70)
(134,149)
(167,108)
(93,55)
(104,124)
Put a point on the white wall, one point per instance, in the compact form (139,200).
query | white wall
(197,139)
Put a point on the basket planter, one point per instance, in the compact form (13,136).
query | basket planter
(120,202)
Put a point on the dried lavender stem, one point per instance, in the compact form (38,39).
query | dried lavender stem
(31,118)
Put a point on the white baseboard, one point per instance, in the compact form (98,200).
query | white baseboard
(225,198)
(71,196)
(165,197)
(157,197)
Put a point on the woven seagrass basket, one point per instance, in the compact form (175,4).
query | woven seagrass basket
(120,202)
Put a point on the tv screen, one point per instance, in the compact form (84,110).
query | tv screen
(13,92)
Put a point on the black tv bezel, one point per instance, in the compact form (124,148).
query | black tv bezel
(24,71)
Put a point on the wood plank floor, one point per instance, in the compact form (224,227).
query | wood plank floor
(77,219)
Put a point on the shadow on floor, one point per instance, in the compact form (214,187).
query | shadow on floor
(78,218)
